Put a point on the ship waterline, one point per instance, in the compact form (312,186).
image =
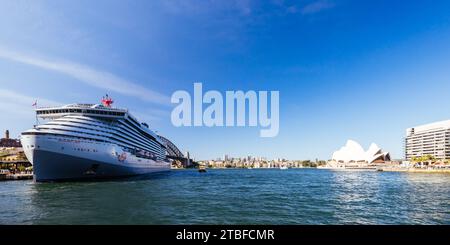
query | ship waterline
(50,165)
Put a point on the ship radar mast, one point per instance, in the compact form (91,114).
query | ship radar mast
(107,101)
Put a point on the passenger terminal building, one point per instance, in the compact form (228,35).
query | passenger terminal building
(429,139)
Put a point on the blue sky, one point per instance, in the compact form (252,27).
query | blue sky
(362,70)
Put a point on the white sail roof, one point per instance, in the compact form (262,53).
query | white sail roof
(353,151)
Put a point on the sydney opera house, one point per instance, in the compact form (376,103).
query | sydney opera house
(354,153)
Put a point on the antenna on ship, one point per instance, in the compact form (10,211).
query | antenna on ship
(35,107)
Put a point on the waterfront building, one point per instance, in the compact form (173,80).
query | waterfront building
(353,152)
(11,151)
(430,139)
(13,154)
(8,142)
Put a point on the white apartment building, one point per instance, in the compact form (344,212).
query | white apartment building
(429,139)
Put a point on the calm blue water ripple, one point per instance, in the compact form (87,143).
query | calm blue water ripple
(256,196)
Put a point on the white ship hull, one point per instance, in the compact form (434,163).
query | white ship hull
(59,158)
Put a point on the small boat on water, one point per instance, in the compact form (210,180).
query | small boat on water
(201,168)
(284,167)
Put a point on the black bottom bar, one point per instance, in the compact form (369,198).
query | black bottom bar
(222,234)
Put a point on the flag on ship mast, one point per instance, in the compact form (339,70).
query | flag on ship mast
(35,103)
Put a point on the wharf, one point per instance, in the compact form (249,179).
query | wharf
(5,177)
(417,170)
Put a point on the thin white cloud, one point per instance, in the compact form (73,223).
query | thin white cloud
(13,103)
(20,106)
(9,95)
(89,76)
(188,7)
(316,7)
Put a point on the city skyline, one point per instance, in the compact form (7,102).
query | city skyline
(343,69)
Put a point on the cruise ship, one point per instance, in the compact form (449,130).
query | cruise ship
(92,141)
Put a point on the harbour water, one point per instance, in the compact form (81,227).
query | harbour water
(234,196)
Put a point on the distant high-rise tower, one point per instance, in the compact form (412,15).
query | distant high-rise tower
(7,134)
(188,162)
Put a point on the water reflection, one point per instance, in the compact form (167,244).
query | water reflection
(107,202)
(302,196)
(391,198)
